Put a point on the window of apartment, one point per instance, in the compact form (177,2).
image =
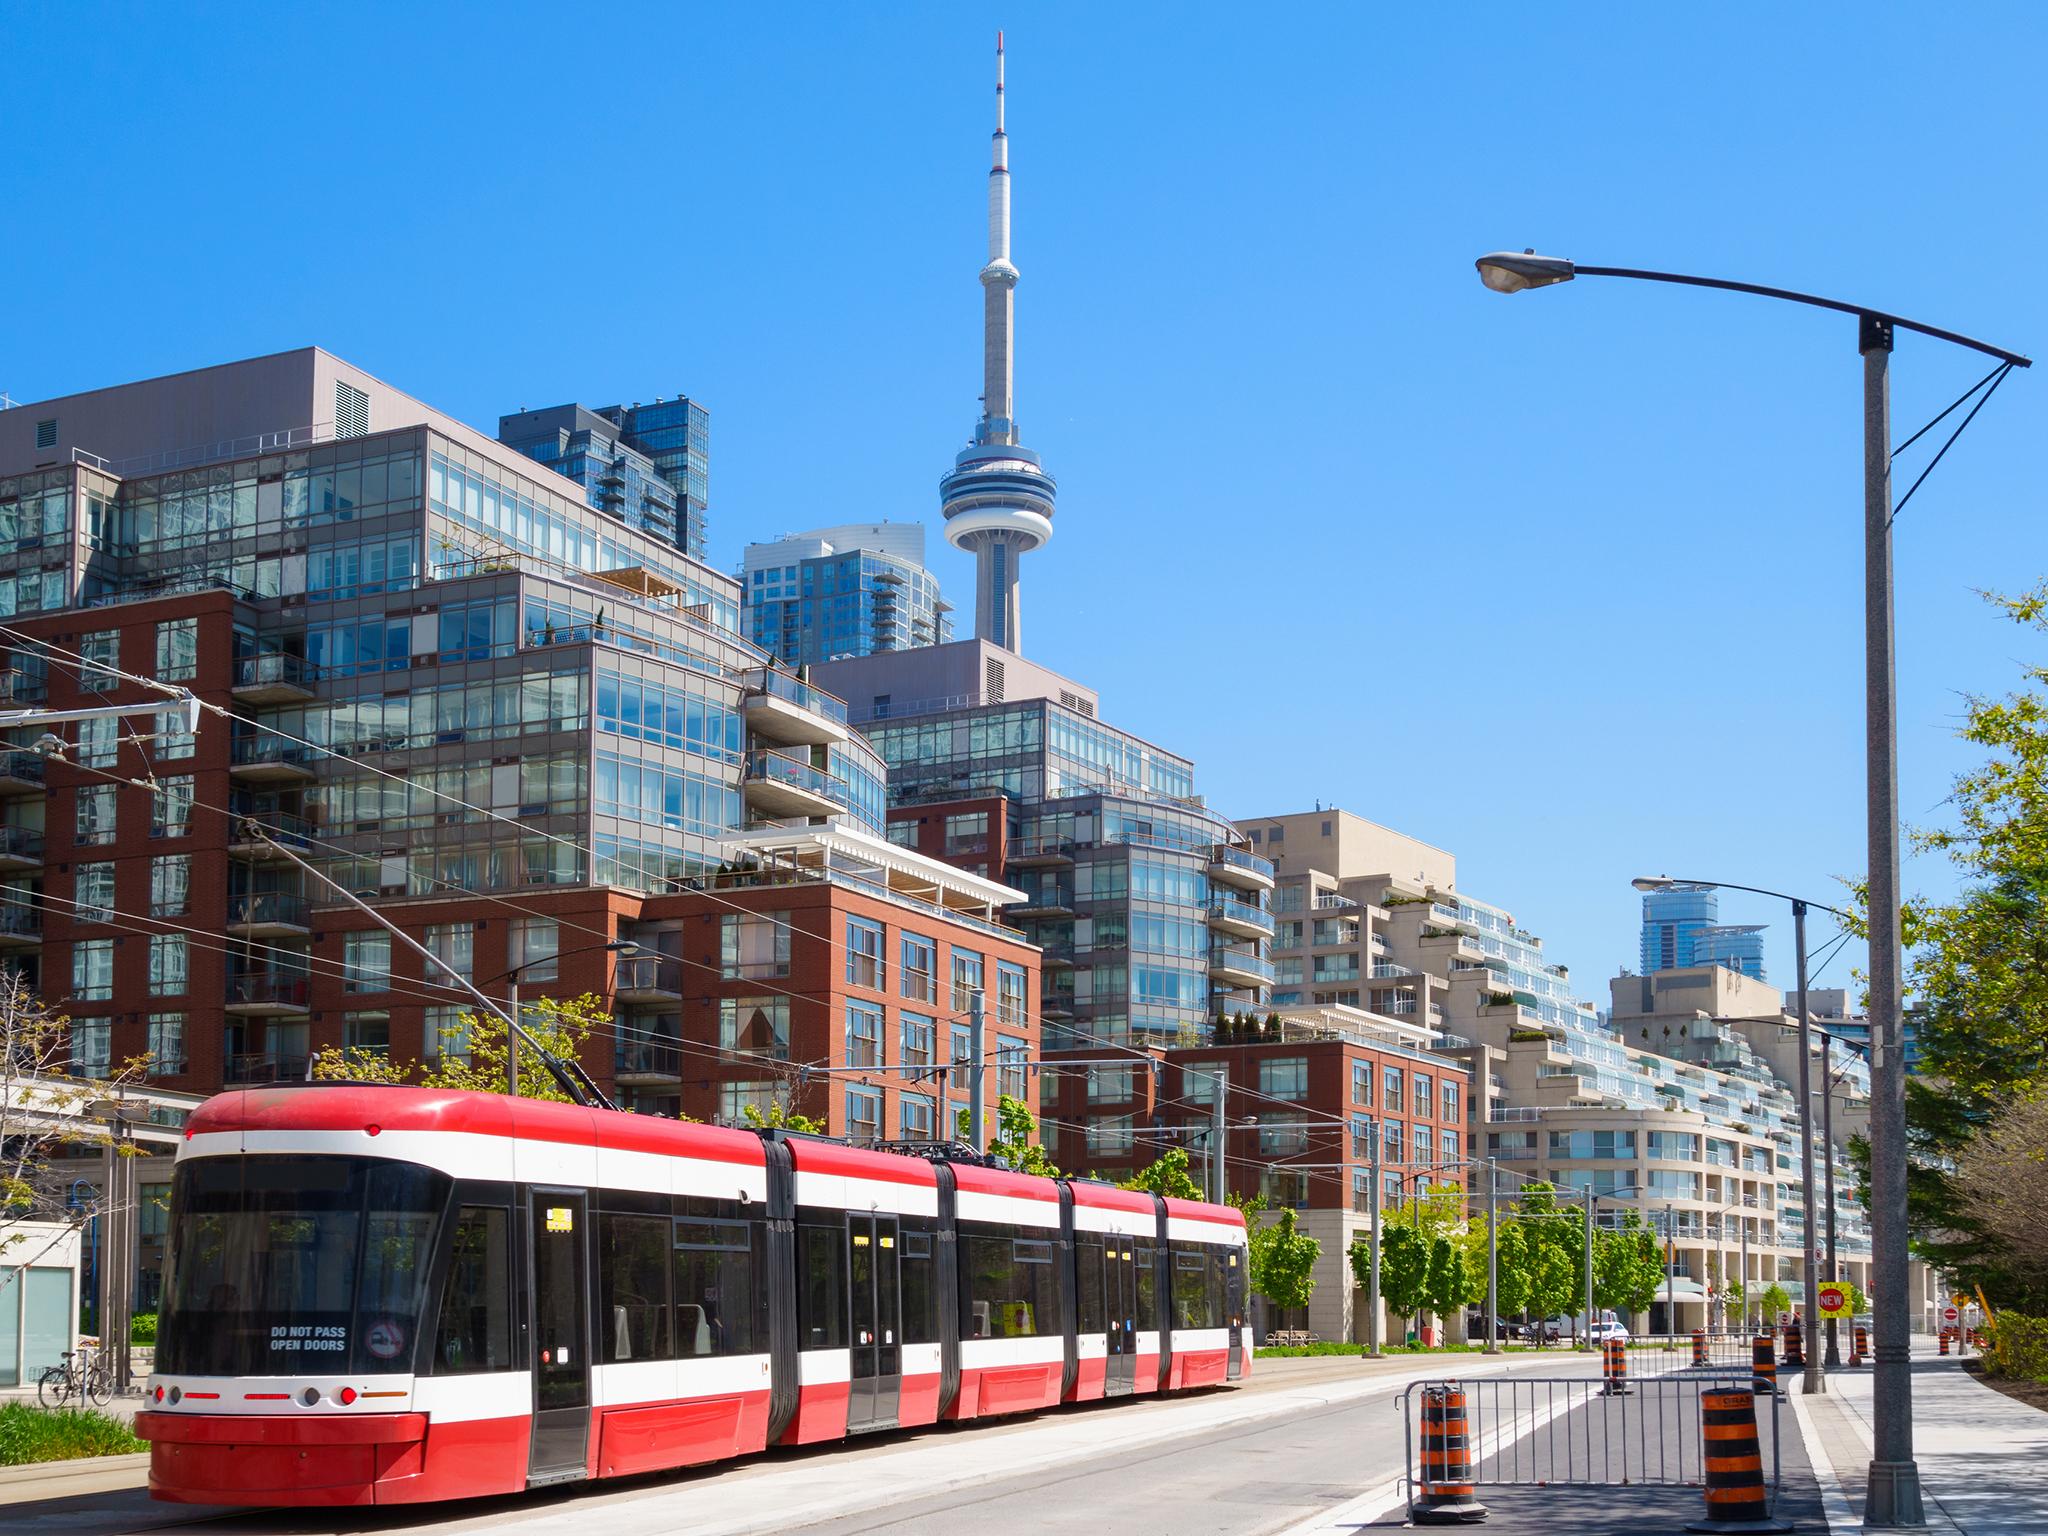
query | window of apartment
(903,833)
(536,946)
(91,1047)
(1361,1191)
(1392,1139)
(1281,1132)
(1284,1077)
(1390,1090)
(753,944)
(99,742)
(366,961)
(170,885)
(1679,1146)
(919,973)
(170,812)
(863,1035)
(1198,1081)
(368,1031)
(919,1116)
(757,1026)
(1590,1144)
(1448,1113)
(95,822)
(1425,1093)
(445,1034)
(736,1098)
(1284,1188)
(92,970)
(1361,1083)
(967,833)
(99,654)
(1110,1135)
(1287,935)
(166,1044)
(1011,994)
(1425,1147)
(1109,1085)
(1453,1149)
(92,893)
(177,650)
(1361,1136)
(920,1040)
(1012,1074)
(863,1114)
(454,945)
(967,979)
(173,738)
(167,964)
(1335,930)
(1672,1184)
(863,954)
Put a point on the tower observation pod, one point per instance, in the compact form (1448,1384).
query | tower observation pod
(997,501)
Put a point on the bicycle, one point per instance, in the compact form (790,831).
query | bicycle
(83,1373)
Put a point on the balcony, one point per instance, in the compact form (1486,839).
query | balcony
(21,848)
(269,915)
(648,979)
(1056,957)
(1042,850)
(20,926)
(781,708)
(1234,866)
(1239,967)
(640,1060)
(264,1067)
(21,773)
(272,677)
(776,786)
(265,993)
(1048,900)
(284,831)
(1243,919)
(270,760)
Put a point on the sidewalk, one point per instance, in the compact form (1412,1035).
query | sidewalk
(1983,1456)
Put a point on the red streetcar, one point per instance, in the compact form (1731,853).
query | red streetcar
(389,1295)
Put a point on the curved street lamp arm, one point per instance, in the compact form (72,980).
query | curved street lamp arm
(1757,890)
(1791,295)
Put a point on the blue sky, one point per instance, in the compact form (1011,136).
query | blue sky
(1568,583)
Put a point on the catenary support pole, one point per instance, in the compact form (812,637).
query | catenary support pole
(1590,1198)
(1827,1139)
(1219,1124)
(1492,1259)
(511,1037)
(1814,1378)
(976,1108)
(1372,1287)
(1893,1494)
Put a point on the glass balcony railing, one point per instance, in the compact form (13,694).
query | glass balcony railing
(1243,961)
(275,668)
(773,768)
(647,1056)
(267,907)
(1240,912)
(264,1067)
(18,922)
(255,987)
(260,751)
(25,766)
(780,685)
(1237,858)
(19,687)
(21,843)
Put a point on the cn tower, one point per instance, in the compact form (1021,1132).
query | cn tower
(997,501)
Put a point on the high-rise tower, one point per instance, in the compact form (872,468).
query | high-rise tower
(997,501)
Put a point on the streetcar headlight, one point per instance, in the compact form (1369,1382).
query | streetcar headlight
(310,1396)
(176,1394)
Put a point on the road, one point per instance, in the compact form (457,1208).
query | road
(1302,1442)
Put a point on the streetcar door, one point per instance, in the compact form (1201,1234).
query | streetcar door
(560,1336)
(1120,1302)
(1233,1310)
(874,1260)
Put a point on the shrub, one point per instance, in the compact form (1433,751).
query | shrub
(142,1328)
(2018,1346)
(1302,1351)
(29,1433)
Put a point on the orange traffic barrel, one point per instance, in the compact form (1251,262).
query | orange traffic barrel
(1614,1369)
(1861,1351)
(1795,1347)
(1734,1465)
(1699,1346)
(1944,1341)
(1763,1364)
(1443,1491)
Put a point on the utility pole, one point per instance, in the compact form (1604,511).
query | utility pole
(1219,1120)
(1814,1380)
(1827,1137)
(512,1037)
(1372,1202)
(976,1105)
(1590,1198)
(1670,1262)
(1492,1259)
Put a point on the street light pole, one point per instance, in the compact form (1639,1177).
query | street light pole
(1372,1206)
(1814,1380)
(1492,1258)
(1827,1136)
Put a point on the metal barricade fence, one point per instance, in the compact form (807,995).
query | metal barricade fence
(1665,1354)
(1540,1432)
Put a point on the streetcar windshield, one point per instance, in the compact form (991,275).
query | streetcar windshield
(292,1266)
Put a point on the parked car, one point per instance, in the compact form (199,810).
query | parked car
(1601,1332)
(1475,1327)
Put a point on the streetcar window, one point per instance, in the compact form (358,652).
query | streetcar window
(1008,1284)
(475,1328)
(1198,1296)
(282,1266)
(920,1289)
(1092,1317)
(1148,1287)
(821,1297)
(714,1273)
(632,1264)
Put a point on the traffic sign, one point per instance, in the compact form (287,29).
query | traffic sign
(1950,1314)
(1834,1300)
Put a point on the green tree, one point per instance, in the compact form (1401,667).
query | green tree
(1628,1266)
(1284,1270)
(1512,1288)
(473,1051)
(1165,1175)
(1977,970)
(1553,1250)
(1404,1271)
(1450,1284)
(1012,1143)
(780,1118)
(1774,1302)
